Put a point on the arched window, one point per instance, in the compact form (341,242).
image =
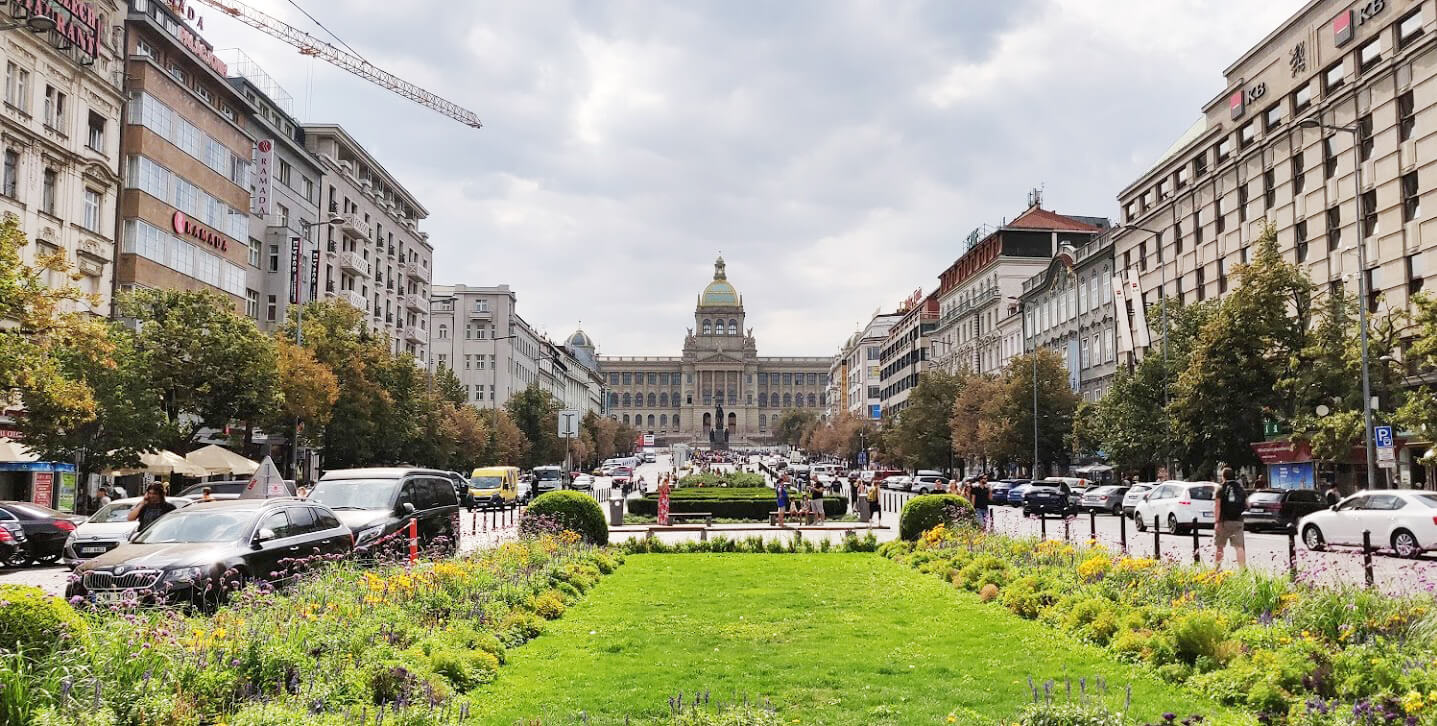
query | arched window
(708,327)
(812,400)
(663,400)
(653,400)
(732,421)
(651,421)
(763,400)
(787,400)
(763,422)
(628,403)
(708,420)
(613,400)
(663,421)
(733,326)
(675,398)
(676,421)
(443,331)
(626,419)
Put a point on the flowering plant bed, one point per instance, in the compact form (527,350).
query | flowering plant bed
(1288,653)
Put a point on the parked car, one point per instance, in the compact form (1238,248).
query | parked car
(1403,519)
(1016,494)
(45,528)
(461,489)
(14,545)
(379,502)
(227,489)
(494,486)
(1280,509)
(582,481)
(194,555)
(1135,495)
(998,490)
(1176,505)
(1107,498)
(1048,496)
(900,482)
(927,483)
(107,529)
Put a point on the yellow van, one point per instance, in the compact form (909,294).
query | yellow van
(494,486)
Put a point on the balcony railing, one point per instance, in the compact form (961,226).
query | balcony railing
(352,298)
(353,225)
(413,270)
(354,262)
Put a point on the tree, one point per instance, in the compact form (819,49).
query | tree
(449,388)
(38,322)
(625,440)
(924,429)
(308,391)
(842,436)
(1056,404)
(974,427)
(1419,412)
(464,436)
(210,365)
(598,432)
(536,413)
(794,425)
(506,445)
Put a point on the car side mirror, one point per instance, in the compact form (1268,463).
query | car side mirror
(407,507)
(264,535)
(1333,507)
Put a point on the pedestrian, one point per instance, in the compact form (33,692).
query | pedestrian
(1260,482)
(1227,527)
(780,491)
(207,495)
(853,492)
(980,501)
(875,507)
(1333,496)
(104,496)
(817,502)
(154,507)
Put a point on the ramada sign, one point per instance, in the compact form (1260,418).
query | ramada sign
(190,228)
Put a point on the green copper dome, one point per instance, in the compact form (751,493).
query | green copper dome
(719,293)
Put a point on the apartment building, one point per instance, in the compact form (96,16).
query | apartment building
(59,129)
(1255,157)
(479,335)
(905,354)
(375,257)
(284,255)
(857,375)
(1068,307)
(568,379)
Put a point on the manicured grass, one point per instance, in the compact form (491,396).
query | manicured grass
(719,493)
(829,638)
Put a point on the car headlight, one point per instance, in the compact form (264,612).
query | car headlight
(70,540)
(368,533)
(185,574)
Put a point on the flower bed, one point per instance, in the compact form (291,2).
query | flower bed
(337,648)
(1289,653)
(746,508)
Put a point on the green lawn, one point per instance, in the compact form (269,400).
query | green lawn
(829,638)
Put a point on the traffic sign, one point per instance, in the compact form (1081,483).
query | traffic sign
(1382,437)
(569,423)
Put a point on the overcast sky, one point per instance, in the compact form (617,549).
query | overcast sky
(837,153)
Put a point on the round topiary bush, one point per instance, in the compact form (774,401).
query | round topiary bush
(925,512)
(38,624)
(572,510)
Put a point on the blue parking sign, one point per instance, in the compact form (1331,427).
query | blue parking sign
(1382,436)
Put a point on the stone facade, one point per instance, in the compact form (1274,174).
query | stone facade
(678,398)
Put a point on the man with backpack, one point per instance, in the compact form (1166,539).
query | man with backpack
(1227,519)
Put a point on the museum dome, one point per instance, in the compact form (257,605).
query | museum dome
(580,339)
(720,293)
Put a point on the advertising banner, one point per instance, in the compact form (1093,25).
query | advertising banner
(313,274)
(43,491)
(66,501)
(263,178)
(296,264)
(1125,330)
(1140,313)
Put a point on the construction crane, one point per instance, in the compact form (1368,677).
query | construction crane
(312,46)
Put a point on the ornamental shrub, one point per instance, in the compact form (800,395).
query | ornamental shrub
(37,624)
(925,512)
(573,511)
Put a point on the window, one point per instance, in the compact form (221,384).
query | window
(1182,177)
(17,86)
(274,258)
(1224,149)
(1142,255)
(1199,165)
(1247,134)
(1201,287)
(1370,54)
(1242,204)
(1414,280)
(1411,201)
(251,304)
(47,197)
(1269,188)
(55,108)
(142,48)
(1334,228)
(1301,99)
(1297,173)
(286,172)
(1177,239)
(1300,240)
(1329,157)
(1219,220)
(1364,137)
(1272,118)
(271,308)
(1409,28)
(1406,116)
(96,140)
(1332,78)
(92,210)
(1197,228)
(206,95)
(1369,213)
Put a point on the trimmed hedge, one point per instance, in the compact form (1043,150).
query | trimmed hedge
(927,511)
(37,624)
(732,479)
(708,493)
(573,510)
(755,509)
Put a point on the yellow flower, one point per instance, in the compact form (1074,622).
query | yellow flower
(952,718)
(1412,703)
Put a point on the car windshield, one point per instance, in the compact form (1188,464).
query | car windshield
(1201,493)
(1265,497)
(339,494)
(1429,499)
(113,512)
(209,526)
(547,473)
(1102,490)
(485,482)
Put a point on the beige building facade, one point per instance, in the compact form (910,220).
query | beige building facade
(718,383)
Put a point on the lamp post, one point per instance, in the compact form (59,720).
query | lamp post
(1362,292)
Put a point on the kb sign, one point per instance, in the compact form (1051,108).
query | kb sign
(1239,100)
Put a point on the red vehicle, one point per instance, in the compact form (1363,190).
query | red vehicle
(622,474)
(881,474)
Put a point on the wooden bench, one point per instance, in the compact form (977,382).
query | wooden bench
(799,517)
(707,517)
(703,531)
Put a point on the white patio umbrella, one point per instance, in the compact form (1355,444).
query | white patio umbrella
(219,460)
(162,462)
(11,451)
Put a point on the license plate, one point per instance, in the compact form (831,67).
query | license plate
(1207,515)
(92,550)
(106,597)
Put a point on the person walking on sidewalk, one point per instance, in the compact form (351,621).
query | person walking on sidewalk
(1227,527)
(780,491)
(980,501)
(875,507)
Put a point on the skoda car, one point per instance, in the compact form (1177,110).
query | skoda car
(377,503)
(197,554)
(106,529)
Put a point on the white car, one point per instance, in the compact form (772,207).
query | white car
(1403,519)
(898,483)
(106,529)
(1176,504)
(582,481)
(1135,495)
(927,483)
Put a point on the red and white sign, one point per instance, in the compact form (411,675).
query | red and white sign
(187,227)
(44,490)
(264,181)
(1237,103)
(1342,29)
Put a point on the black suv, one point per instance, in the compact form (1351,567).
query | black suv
(1047,496)
(1280,509)
(378,504)
(197,554)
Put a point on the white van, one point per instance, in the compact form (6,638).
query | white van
(824,473)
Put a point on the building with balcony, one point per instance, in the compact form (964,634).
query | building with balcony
(905,354)
(60,125)
(372,254)
(1069,308)
(975,291)
(856,376)
(284,255)
(568,375)
(478,334)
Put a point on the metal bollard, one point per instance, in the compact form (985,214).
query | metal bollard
(1367,557)
(1197,553)
(413,540)
(1067,531)
(1043,526)
(1092,524)
(1292,554)
(1157,539)
(1123,532)
(475,520)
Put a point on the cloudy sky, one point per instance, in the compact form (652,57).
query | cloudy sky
(837,152)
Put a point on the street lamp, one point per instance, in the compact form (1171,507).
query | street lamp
(1362,292)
